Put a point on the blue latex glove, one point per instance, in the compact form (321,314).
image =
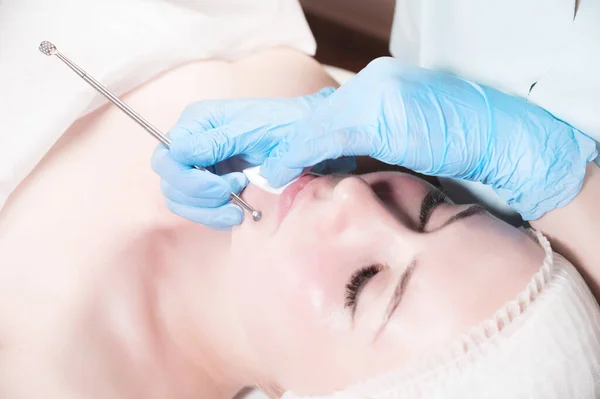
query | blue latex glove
(223,136)
(438,124)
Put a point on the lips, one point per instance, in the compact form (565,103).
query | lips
(287,197)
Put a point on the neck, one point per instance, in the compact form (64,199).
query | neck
(199,324)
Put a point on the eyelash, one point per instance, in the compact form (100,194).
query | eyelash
(433,199)
(358,281)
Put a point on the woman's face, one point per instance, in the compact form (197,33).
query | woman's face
(356,276)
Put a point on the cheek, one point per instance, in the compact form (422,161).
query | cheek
(286,300)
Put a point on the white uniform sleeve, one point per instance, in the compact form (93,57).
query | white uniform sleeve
(511,45)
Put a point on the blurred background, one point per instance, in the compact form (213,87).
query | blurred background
(350,33)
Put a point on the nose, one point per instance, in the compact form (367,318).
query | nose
(345,208)
(353,206)
(352,190)
(357,217)
(355,202)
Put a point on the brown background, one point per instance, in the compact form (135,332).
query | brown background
(350,33)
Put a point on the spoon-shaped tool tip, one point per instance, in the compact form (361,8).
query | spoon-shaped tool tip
(47,48)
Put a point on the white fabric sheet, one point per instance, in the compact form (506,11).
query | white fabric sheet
(122,43)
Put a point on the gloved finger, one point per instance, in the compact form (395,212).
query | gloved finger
(225,142)
(205,149)
(164,151)
(238,181)
(277,174)
(190,181)
(198,117)
(221,218)
(179,130)
(323,93)
(204,115)
(299,153)
(173,194)
(290,158)
(344,165)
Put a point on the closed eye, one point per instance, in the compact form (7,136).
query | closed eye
(357,282)
(436,197)
(430,202)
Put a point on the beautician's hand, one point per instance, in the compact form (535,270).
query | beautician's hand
(441,125)
(215,135)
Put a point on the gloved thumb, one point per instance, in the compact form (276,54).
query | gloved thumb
(277,174)
(220,144)
(316,147)
(323,93)
(311,100)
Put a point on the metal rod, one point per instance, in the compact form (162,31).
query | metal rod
(50,49)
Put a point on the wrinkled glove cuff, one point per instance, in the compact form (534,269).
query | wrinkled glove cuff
(563,178)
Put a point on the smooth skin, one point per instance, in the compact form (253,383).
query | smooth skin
(575,229)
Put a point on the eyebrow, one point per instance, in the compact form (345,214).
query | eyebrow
(436,197)
(470,211)
(397,295)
